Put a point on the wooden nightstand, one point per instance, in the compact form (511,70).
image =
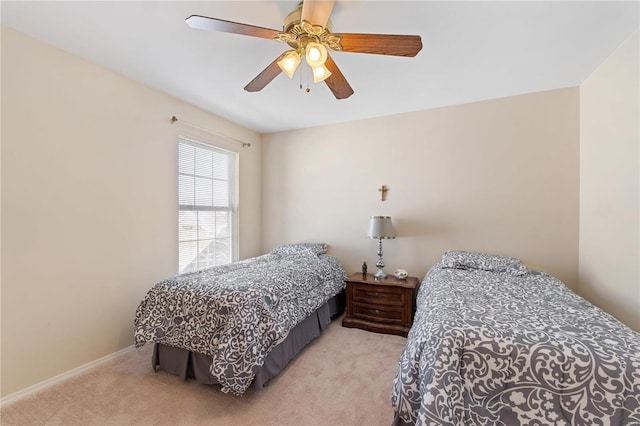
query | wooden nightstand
(384,306)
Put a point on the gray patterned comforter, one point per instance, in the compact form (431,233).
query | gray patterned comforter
(498,348)
(237,313)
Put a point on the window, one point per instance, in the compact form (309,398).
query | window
(207,209)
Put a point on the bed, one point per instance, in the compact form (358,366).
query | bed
(240,323)
(493,343)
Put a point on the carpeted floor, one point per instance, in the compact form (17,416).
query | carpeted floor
(342,378)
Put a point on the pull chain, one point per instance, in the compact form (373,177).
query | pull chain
(303,70)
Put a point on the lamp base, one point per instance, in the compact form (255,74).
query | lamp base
(380,275)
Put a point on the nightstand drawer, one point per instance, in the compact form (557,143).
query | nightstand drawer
(379,314)
(379,296)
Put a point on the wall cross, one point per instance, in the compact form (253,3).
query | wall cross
(383,192)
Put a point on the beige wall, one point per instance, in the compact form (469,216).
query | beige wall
(499,176)
(89,202)
(609,185)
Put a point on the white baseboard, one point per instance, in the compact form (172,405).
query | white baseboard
(16,396)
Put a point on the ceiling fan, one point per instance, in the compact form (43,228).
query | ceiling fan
(307,30)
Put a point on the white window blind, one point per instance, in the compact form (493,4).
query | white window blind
(206,205)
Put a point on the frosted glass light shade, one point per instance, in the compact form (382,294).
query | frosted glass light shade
(289,63)
(320,73)
(316,54)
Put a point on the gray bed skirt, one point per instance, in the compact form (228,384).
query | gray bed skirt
(187,364)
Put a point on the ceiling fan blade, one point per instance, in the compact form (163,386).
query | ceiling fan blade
(317,12)
(265,77)
(336,81)
(381,44)
(214,24)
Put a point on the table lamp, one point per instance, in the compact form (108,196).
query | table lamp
(380,227)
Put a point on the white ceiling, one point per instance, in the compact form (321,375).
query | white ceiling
(472,51)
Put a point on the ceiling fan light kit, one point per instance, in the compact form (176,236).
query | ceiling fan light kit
(311,42)
(308,31)
(315,56)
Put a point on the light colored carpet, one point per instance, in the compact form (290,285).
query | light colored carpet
(342,378)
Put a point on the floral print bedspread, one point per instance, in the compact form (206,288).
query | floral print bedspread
(493,348)
(238,312)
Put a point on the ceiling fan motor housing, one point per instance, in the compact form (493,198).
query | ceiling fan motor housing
(295,18)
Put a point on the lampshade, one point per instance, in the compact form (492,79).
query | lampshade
(316,54)
(320,73)
(381,227)
(289,62)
